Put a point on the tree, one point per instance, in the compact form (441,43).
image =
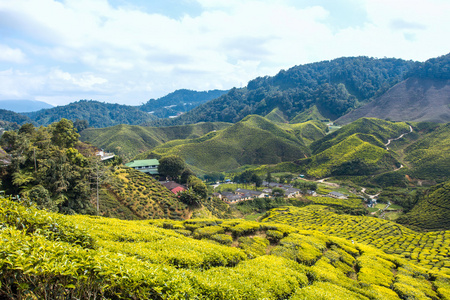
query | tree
(198,186)
(277,192)
(185,175)
(64,135)
(80,125)
(189,197)
(269,177)
(171,166)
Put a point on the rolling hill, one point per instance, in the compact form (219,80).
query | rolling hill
(128,141)
(254,140)
(98,114)
(13,117)
(431,212)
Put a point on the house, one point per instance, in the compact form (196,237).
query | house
(148,166)
(104,155)
(311,192)
(337,195)
(291,192)
(173,186)
(249,194)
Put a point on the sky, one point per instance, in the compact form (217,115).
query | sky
(130,51)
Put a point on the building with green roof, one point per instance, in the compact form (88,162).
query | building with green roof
(148,166)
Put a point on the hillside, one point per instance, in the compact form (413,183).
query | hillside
(20,106)
(428,250)
(356,155)
(128,141)
(134,195)
(252,141)
(415,99)
(381,131)
(94,257)
(428,156)
(13,117)
(423,96)
(178,102)
(432,212)
(334,87)
(98,114)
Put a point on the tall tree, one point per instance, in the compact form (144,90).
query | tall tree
(171,166)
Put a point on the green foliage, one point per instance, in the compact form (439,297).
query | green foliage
(151,260)
(252,141)
(334,87)
(97,114)
(129,141)
(171,166)
(427,249)
(432,211)
(428,156)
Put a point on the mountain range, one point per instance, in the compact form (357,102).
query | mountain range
(342,89)
(23,106)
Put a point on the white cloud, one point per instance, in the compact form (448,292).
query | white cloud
(89,49)
(8,54)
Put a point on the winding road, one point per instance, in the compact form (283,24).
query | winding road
(402,135)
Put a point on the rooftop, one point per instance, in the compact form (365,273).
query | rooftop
(143,163)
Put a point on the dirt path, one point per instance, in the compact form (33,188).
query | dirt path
(402,135)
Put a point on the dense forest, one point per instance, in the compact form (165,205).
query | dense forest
(335,87)
(97,114)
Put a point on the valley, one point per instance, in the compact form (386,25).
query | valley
(297,186)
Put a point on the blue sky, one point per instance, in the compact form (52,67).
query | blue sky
(129,51)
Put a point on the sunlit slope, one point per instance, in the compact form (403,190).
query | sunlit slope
(380,129)
(128,141)
(433,211)
(252,141)
(429,157)
(54,256)
(358,154)
(430,250)
(134,195)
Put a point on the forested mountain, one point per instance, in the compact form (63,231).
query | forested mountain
(180,101)
(21,106)
(334,87)
(97,114)
(424,96)
(13,117)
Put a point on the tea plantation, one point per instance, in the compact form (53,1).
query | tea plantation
(51,256)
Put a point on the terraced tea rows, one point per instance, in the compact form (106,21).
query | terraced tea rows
(50,256)
(430,249)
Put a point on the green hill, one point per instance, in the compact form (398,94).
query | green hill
(429,157)
(94,257)
(334,87)
(135,195)
(432,212)
(276,116)
(311,113)
(252,141)
(358,154)
(13,117)
(309,131)
(381,130)
(98,114)
(128,141)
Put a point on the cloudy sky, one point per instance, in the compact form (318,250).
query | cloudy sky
(129,51)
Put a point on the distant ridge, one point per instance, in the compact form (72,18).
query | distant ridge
(414,99)
(21,106)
